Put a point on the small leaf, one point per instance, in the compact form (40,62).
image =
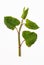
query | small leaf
(11,22)
(25,12)
(31,25)
(30,37)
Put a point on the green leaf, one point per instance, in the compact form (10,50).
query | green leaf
(31,25)
(11,22)
(25,12)
(30,37)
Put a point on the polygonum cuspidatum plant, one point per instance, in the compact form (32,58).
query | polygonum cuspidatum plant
(29,37)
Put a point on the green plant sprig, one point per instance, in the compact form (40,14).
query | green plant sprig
(29,37)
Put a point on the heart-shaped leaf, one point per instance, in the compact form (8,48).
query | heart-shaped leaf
(11,22)
(25,12)
(30,37)
(31,25)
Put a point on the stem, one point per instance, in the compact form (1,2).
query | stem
(16,29)
(22,42)
(19,48)
(19,45)
(21,25)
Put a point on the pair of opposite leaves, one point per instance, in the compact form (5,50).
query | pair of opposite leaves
(11,23)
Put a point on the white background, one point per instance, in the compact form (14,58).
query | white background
(8,38)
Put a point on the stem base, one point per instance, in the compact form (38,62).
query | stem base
(19,51)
